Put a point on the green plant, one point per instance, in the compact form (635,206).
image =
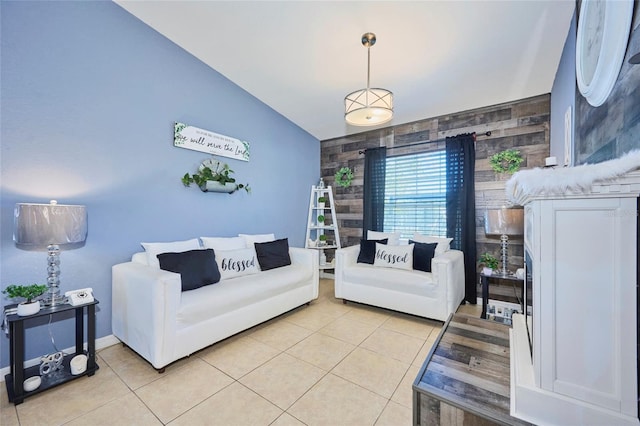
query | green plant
(28,292)
(321,218)
(343,177)
(220,173)
(507,161)
(322,237)
(489,260)
(322,199)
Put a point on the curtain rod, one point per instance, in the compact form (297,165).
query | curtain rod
(426,142)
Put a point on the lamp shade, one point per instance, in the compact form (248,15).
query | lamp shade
(368,107)
(37,226)
(504,221)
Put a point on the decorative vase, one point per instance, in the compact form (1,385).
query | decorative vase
(487,271)
(78,364)
(215,186)
(31,384)
(25,309)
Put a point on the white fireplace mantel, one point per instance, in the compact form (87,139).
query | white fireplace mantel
(582,241)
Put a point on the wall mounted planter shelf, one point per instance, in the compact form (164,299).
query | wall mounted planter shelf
(215,186)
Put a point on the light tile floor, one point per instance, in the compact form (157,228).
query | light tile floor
(322,364)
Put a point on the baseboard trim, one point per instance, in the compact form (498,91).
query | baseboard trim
(101,343)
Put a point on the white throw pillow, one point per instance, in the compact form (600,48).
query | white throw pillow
(154,249)
(443,243)
(399,257)
(249,239)
(393,238)
(236,263)
(223,243)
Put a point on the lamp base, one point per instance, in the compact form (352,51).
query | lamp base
(502,273)
(53,300)
(52,297)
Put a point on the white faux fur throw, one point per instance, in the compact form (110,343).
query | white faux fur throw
(558,181)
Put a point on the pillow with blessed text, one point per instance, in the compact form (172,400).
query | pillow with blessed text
(236,263)
(398,257)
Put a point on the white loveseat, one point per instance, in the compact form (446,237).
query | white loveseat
(154,317)
(432,295)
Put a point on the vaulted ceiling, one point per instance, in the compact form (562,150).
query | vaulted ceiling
(302,57)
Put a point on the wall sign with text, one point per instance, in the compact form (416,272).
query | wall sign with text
(201,140)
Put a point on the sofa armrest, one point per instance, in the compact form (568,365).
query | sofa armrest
(145,303)
(345,258)
(308,258)
(448,271)
(305,257)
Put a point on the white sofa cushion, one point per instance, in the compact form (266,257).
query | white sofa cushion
(398,257)
(223,243)
(229,295)
(154,249)
(443,243)
(236,263)
(393,238)
(412,282)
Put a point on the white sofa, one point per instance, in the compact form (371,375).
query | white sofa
(433,294)
(154,317)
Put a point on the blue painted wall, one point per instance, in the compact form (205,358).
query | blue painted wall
(89,95)
(563,94)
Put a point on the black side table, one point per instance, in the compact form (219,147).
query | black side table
(14,380)
(485,288)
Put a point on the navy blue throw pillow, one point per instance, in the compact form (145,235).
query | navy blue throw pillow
(368,250)
(197,268)
(422,255)
(274,254)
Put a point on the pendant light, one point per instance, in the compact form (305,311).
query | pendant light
(370,106)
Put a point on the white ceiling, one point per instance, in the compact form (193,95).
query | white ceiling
(438,57)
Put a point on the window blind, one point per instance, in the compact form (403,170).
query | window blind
(415,194)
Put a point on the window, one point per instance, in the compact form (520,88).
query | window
(416,194)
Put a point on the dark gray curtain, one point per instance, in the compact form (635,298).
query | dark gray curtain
(375,167)
(461,205)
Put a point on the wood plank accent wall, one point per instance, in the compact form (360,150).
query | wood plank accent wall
(522,124)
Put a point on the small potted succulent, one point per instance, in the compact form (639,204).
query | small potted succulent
(321,202)
(320,219)
(29,292)
(323,240)
(490,263)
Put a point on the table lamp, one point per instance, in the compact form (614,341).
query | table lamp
(50,227)
(504,222)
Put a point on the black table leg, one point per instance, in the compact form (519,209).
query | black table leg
(91,339)
(17,360)
(79,331)
(485,296)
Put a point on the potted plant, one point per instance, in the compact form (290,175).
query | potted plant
(490,263)
(321,202)
(214,176)
(323,240)
(28,292)
(320,219)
